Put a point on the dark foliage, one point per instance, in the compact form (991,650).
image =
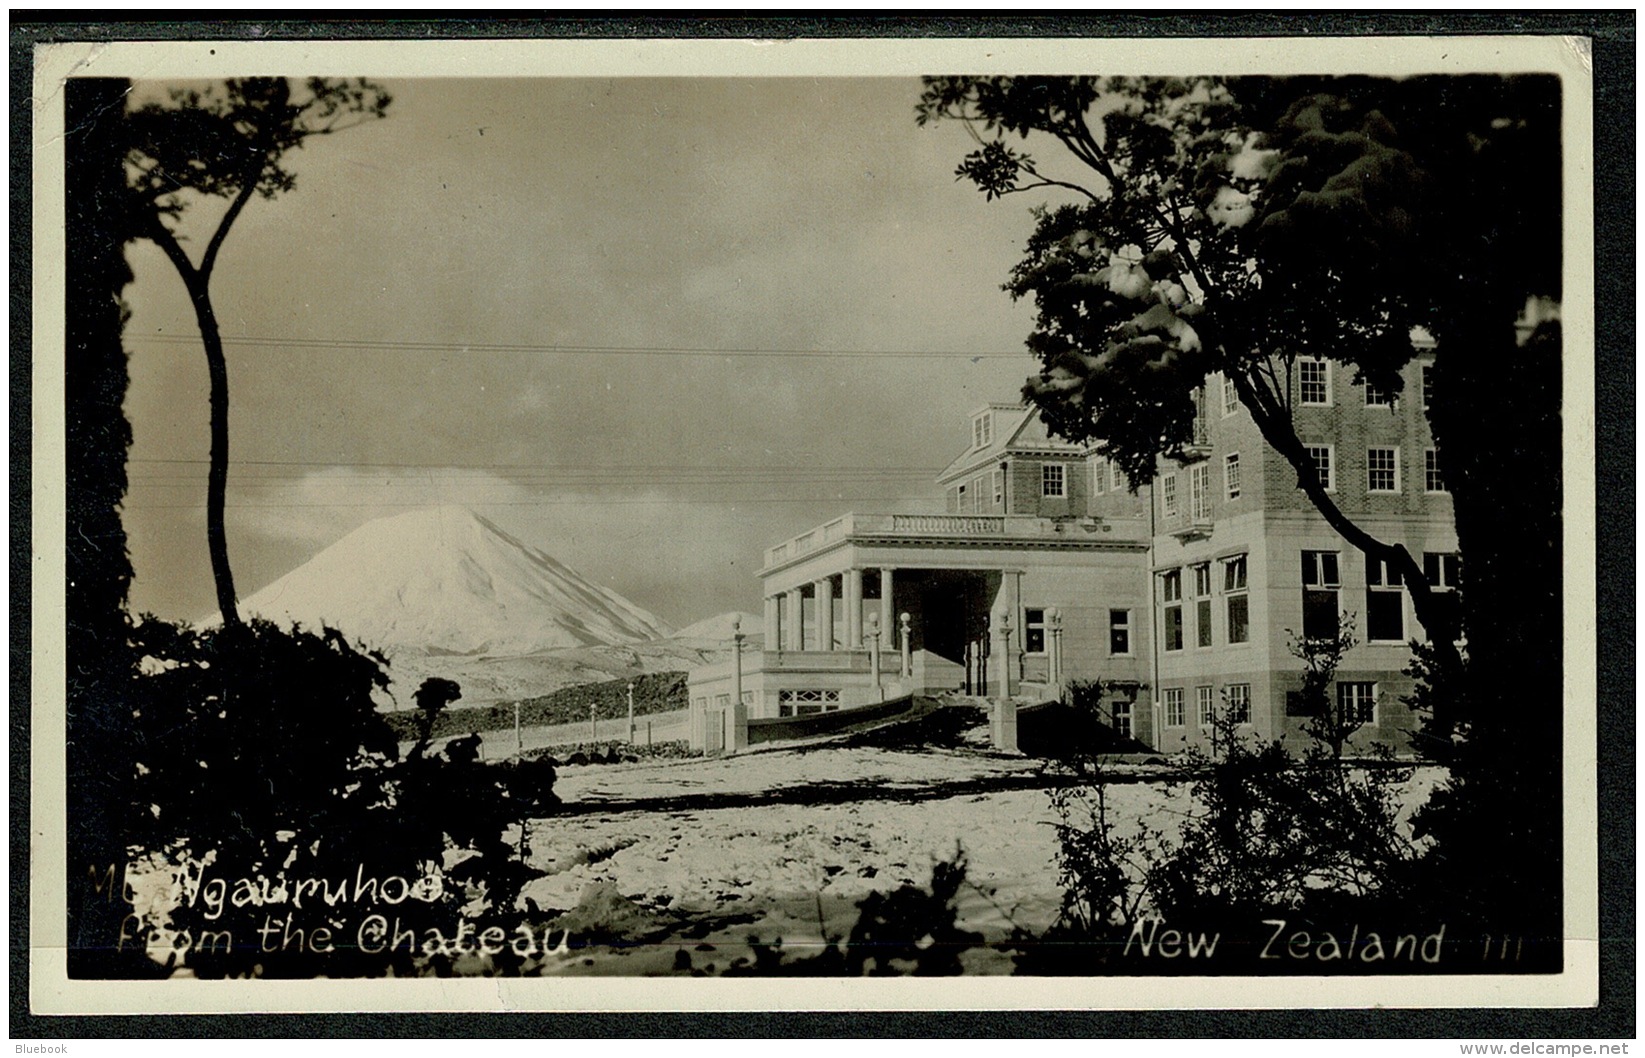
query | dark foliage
(1231,226)
(259,754)
(97,567)
(907,931)
(1265,835)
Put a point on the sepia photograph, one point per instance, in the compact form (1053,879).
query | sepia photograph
(1052,515)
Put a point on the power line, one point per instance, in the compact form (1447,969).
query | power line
(579,502)
(392,345)
(522,466)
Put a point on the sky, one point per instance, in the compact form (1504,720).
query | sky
(644,324)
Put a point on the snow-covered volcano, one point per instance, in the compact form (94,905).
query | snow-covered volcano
(443,580)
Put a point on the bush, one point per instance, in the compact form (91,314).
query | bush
(907,931)
(1265,834)
(264,774)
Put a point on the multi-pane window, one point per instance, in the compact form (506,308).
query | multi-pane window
(1202,604)
(1321,582)
(982,431)
(1239,702)
(1382,469)
(1099,476)
(1432,479)
(1171,593)
(1314,378)
(1427,384)
(1442,568)
(1121,714)
(1052,483)
(1199,492)
(1239,599)
(1206,706)
(1113,477)
(1033,631)
(999,489)
(1357,703)
(977,500)
(1377,397)
(1321,456)
(1168,495)
(961,499)
(1384,602)
(1119,632)
(1174,710)
(1230,397)
(1443,571)
(1230,474)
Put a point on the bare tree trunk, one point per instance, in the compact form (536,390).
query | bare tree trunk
(217,475)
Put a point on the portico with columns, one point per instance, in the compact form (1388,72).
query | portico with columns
(868,607)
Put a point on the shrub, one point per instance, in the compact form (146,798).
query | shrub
(261,762)
(1266,833)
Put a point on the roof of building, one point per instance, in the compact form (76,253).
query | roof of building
(1019,431)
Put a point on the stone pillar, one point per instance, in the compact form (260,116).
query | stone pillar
(887,619)
(1053,632)
(907,641)
(1002,633)
(736,722)
(1002,725)
(852,591)
(773,622)
(1011,585)
(793,621)
(825,613)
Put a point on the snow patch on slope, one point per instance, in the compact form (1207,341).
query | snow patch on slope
(446,581)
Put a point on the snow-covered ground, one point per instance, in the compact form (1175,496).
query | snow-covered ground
(699,856)
(785,844)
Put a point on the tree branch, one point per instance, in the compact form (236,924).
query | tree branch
(248,187)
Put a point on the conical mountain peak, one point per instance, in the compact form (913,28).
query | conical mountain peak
(444,580)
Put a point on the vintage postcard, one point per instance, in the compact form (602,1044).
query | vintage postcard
(622,524)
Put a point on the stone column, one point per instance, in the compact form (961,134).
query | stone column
(1011,587)
(824,590)
(793,622)
(907,641)
(1002,633)
(1053,633)
(1002,725)
(852,591)
(773,622)
(887,619)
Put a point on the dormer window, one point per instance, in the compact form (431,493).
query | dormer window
(982,430)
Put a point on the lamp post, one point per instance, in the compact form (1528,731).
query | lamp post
(737,662)
(873,637)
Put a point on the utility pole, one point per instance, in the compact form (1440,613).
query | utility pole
(593,725)
(630,712)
